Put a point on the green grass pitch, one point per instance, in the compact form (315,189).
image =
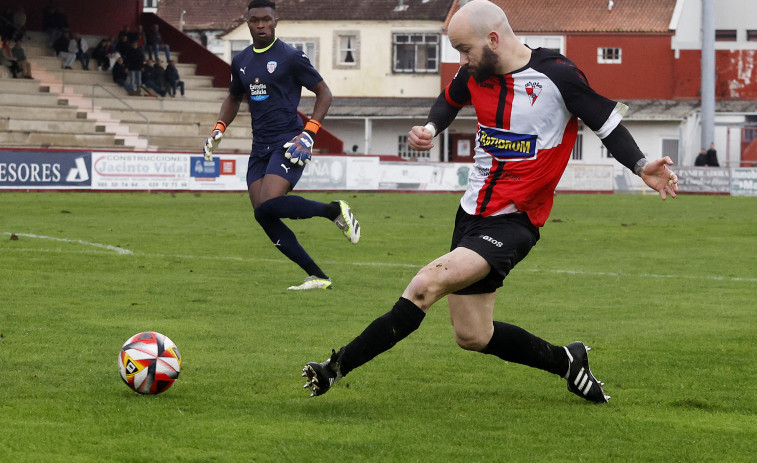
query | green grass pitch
(664,293)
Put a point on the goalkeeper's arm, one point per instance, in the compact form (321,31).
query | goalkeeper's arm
(229,110)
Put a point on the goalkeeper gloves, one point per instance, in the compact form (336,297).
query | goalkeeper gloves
(213,140)
(299,150)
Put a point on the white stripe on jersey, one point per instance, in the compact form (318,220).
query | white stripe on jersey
(615,117)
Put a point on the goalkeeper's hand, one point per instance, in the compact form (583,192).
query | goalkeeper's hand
(299,149)
(211,144)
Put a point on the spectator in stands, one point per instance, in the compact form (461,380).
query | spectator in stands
(20,54)
(79,47)
(101,54)
(62,50)
(155,43)
(701,160)
(7,59)
(135,63)
(173,81)
(141,37)
(113,53)
(121,75)
(150,79)
(131,36)
(712,156)
(123,46)
(159,74)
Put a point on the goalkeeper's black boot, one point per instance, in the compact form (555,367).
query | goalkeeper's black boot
(321,376)
(581,381)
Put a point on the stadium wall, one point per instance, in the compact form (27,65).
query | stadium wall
(130,171)
(103,17)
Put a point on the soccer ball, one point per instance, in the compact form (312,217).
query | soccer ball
(149,362)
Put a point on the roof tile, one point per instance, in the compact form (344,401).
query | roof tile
(223,14)
(542,16)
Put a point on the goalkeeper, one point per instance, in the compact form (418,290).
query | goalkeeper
(270,75)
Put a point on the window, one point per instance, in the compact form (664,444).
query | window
(609,55)
(725,35)
(578,149)
(551,42)
(404,150)
(347,50)
(415,53)
(150,6)
(670,148)
(308,47)
(751,35)
(237,46)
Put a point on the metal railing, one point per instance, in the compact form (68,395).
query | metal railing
(121,100)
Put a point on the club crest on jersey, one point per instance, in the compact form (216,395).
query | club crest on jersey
(533,89)
(271,66)
(506,145)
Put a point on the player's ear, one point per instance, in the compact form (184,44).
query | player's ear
(492,39)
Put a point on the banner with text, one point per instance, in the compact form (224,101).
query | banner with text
(48,169)
(227,172)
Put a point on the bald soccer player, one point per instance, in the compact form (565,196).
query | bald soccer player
(528,103)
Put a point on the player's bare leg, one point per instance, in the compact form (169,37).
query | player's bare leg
(456,269)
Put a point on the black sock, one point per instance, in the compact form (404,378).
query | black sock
(333,209)
(313,269)
(285,240)
(514,344)
(382,334)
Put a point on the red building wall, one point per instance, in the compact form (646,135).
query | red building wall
(646,70)
(736,74)
(687,69)
(100,17)
(650,70)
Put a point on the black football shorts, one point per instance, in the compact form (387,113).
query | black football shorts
(503,240)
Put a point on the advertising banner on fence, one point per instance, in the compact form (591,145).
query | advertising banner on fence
(226,172)
(140,171)
(324,173)
(744,182)
(430,176)
(703,179)
(167,171)
(587,177)
(49,169)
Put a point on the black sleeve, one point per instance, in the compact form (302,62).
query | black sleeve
(442,113)
(450,101)
(623,147)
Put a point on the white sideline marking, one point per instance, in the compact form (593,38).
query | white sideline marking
(361,264)
(66,240)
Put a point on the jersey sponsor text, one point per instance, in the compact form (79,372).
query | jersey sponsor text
(502,144)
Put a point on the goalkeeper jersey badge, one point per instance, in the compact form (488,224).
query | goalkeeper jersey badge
(271,66)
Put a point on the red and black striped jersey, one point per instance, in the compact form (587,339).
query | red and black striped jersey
(527,126)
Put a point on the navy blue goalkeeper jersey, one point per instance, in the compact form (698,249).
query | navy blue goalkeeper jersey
(272,80)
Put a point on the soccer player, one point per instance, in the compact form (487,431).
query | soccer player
(527,103)
(270,75)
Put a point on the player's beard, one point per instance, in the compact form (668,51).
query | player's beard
(487,67)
